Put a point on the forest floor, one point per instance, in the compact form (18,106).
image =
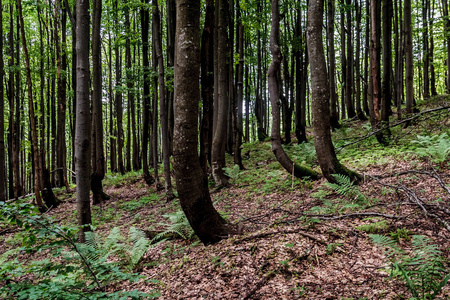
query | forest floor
(299,239)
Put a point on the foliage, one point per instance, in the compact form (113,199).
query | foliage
(304,153)
(232,172)
(81,273)
(178,225)
(423,268)
(376,227)
(437,147)
(346,187)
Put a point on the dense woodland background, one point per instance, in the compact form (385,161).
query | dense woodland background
(178,99)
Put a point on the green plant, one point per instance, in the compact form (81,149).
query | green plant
(401,233)
(346,187)
(178,225)
(82,273)
(437,147)
(423,268)
(232,172)
(376,227)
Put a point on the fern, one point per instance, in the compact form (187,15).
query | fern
(233,172)
(345,186)
(437,147)
(423,269)
(178,225)
(130,251)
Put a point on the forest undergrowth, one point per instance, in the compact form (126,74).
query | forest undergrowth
(386,238)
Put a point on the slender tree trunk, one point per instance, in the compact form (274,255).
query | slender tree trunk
(34,138)
(447,40)
(387,66)
(118,95)
(145,21)
(238,130)
(359,111)
(98,157)
(425,53)
(220,133)
(170,48)
(207,86)
(431,50)
(112,139)
(334,117)
(162,101)
(320,97)
(83,124)
(349,86)
(409,66)
(3,184)
(192,183)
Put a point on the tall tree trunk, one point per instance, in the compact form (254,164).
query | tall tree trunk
(220,133)
(98,157)
(162,101)
(118,94)
(83,124)
(431,49)
(447,40)
(301,73)
(154,151)
(145,21)
(238,130)
(170,48)
(34,138)
(409,66)
(274,92)
(320,97)
(192,183)
(334,117)
(3,184)
(259,111)
(387,66)
(61,156)
(207,86)
(425,54)
(349,86)
(359,111)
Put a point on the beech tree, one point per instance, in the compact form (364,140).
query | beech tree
(192,184)
(3,184)
(326,155)
(83,122)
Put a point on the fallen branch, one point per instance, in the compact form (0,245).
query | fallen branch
(416,200)
(415,116)
(352,215)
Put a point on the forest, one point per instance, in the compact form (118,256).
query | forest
(228,149)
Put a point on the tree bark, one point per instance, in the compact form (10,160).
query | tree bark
(162,102)
(274,93)
(409,66)
(145,21)
(238,128)
(320,97)
(220,132)
(83,124)
(334,116)
(98,157)
(3,184)
(192,183)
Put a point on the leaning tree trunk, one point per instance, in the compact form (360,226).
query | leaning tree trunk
(191,181)
(83,124)
(274,93)
(320,97)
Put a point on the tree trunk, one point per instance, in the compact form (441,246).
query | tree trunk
(409,66)
(192,183)
(387,66)
(145,21)
(425,55)
(207,86)
(334,116)
(274,92)
(349,86)
(34,138)
(118,94)
(320,97)
(98,157)
(83,124)
(3,184)
(359,111)
(220,133)
(238,130)
(162,101)
(447,40)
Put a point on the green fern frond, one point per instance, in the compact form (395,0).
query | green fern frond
(344,186)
